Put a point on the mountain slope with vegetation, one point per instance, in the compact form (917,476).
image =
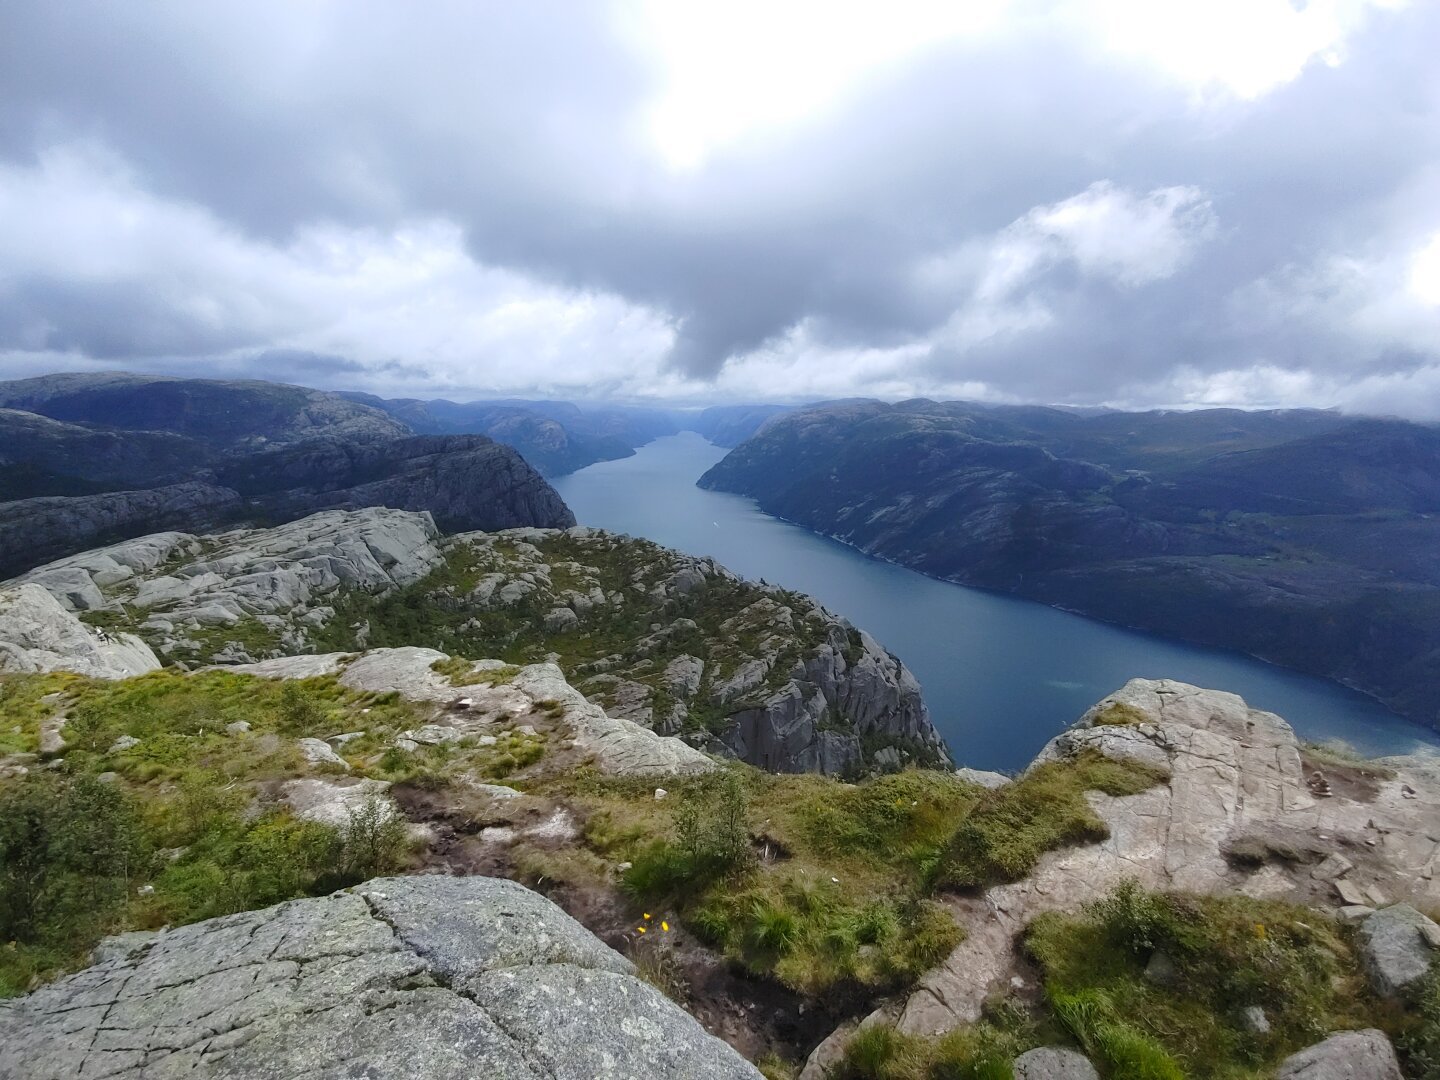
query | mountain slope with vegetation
(1304,538)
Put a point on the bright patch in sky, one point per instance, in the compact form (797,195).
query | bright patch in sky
(748,66)
(1425,272)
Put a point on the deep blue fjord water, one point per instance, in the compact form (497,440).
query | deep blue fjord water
(1001,675)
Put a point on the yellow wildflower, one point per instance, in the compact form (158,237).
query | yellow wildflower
(664,926)
(641,929)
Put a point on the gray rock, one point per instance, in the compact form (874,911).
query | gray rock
(984,778)
(440,977)
(123,743)
(561,620)
(1254,1019)
(1395,947)
(683,675)
(51,741)
(1054,1063)
(38,634)
(336,803)
(318,752)
(1348,1055)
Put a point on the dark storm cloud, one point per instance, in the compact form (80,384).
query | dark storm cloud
(518,123)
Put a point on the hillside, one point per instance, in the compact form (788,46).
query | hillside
(1313,551)
(1175,883)
(131,455)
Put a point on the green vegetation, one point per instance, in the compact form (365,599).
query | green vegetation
(1227,953)
(162,812)
(879,1052)
(1420,1040)
(461,672)
(816,883)
(1012,826)
(1121,714)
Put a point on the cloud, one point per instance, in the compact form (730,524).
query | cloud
(1057,200)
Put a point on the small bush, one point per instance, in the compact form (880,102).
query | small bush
(711,842)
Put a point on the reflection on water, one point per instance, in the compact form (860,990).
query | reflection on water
(1001,675)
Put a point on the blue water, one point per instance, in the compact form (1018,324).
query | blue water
(1001,675)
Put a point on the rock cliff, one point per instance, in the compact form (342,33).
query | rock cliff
(1305,538)
(399,978)
(670,642)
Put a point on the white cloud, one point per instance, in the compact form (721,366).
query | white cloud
(728,71)
(1244,47)
(411,295)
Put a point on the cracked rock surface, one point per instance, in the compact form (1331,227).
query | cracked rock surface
(434,977)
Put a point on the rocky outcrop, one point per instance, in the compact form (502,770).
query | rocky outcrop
(734,667)
(33,531)
(1399,946)
(1349,1055)
(616,746)
(37,633)
(1237,815)
(268,578)
(437,977)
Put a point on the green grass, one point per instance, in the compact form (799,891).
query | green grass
(813,882)
(1012,826)
(185,812)
(1228,952)
(879,1052)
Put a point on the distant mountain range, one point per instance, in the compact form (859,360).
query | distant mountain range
(558,437)
(1305,537)
(94,458)
(87,459)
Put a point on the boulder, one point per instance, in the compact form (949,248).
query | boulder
(318,752)
(984,778)
(1054,1063)
(37,633)
(336,803)
(1396,948)
(445,978)
(1348,1055)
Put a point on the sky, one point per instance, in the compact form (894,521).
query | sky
(1134,203)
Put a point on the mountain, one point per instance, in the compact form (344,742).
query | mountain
(556,437)
(90,459)
(225,415)
(1305,538)
(333,860)
(464,481)
(656,637)
(730,425)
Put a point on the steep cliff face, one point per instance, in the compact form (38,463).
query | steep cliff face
(1312,546)
(671,642)
(438,977)
(465,481)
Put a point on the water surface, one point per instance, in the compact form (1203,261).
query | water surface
(1001,675)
